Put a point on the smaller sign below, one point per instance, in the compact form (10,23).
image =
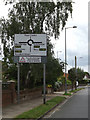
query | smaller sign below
(29,59)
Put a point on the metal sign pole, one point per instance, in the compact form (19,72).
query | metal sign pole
(44,84)
(18,83)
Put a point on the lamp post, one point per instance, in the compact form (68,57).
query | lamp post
(66,58)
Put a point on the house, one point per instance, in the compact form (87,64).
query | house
(86,77)
(66,75)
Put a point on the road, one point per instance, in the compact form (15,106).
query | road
(75,107)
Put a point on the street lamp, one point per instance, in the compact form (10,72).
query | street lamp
(66,58)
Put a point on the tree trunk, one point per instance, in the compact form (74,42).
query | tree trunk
(72,85)
(75,86)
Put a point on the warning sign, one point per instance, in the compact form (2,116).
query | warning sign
(22,60)
(29,59)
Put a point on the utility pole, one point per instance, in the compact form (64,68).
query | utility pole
(75,71)
(66,58)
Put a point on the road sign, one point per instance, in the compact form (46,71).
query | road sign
(29,59)
(27,45)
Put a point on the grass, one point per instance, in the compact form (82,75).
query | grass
(67,94)
(76,90)
(42,109)
(73,91)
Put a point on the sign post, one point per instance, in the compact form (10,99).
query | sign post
(44,84)
(30,48)
(18,85)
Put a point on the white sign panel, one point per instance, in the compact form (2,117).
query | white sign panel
(29,59)
(30,45)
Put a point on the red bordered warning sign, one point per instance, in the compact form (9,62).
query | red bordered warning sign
(22,60)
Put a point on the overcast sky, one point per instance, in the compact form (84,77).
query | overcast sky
(77,38)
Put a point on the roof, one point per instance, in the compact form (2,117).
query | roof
(86,77)
(66,75)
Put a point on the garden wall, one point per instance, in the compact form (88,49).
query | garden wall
(9,94)
(30,94)
(62,88)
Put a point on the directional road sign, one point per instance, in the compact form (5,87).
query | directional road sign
(30,45)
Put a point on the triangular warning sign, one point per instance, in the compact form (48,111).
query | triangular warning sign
(22,60)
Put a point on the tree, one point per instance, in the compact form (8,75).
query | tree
(80,75)
(72,76)
(34,18)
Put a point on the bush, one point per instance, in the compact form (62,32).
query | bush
(69,82)
(57,85)
(62,80)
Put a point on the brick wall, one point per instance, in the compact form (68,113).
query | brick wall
(6,97)
(30,94)
(62,88)
(8,93)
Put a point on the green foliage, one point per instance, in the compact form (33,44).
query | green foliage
(72,74)
(76,74)
(53,70)
(69,82)
(76,90)
(69,94)
(62,80)
(57,85)
(80,75)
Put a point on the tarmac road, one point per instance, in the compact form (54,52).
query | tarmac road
(75,107)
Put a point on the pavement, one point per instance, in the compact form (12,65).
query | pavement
(13,110)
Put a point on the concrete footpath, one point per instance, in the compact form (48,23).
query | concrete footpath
(13,110)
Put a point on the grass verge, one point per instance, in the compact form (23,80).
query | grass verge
(69,94)
(42,109)
(76,90)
